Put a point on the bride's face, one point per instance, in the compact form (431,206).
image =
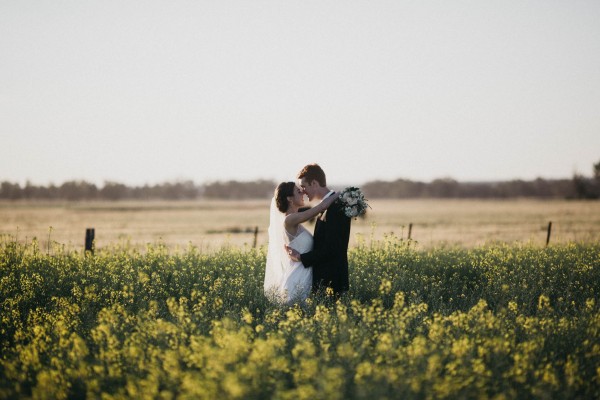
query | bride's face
(298,197)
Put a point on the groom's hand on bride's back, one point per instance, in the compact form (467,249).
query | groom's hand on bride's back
(294,254)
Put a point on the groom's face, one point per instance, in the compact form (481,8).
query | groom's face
(309,188)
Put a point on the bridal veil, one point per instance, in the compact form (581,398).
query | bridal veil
(277,259)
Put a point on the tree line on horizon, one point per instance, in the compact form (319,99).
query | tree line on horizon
(579,187)
(81,190)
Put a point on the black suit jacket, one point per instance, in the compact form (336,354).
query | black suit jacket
(329,256)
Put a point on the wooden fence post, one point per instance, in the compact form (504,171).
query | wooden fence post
(89,239)
(549,232)
(255,236)
(409,230)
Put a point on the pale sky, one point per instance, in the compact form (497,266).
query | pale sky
(152,91)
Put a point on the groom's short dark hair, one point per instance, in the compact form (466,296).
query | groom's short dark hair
(313,172)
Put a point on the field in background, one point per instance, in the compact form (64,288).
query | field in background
(211,224)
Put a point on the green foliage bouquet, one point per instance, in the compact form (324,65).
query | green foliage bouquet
(354,202)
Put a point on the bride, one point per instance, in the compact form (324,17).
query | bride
(288,281)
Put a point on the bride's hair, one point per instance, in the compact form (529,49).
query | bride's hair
(283,191)
(313,172)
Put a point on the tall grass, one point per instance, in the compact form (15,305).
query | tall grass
(491,322)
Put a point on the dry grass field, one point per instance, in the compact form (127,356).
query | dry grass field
(209,225)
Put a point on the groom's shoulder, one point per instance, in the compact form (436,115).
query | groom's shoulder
(337,205)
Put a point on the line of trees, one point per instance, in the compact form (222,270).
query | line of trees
(185,190)
(579,187)
(450,188)
(82,190)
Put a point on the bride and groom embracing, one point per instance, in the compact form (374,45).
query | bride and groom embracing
(297,261)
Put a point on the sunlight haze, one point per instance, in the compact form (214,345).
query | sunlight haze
(150,91)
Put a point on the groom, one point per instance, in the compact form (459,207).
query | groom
(329,256)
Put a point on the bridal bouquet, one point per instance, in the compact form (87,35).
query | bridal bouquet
(354,202)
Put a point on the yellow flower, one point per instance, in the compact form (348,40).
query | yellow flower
(384,343)
(345,350)
(363,370)
(233,387)
(247,316)
(544,303)
(385,287)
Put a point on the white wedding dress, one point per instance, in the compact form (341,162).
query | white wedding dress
(286,281)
